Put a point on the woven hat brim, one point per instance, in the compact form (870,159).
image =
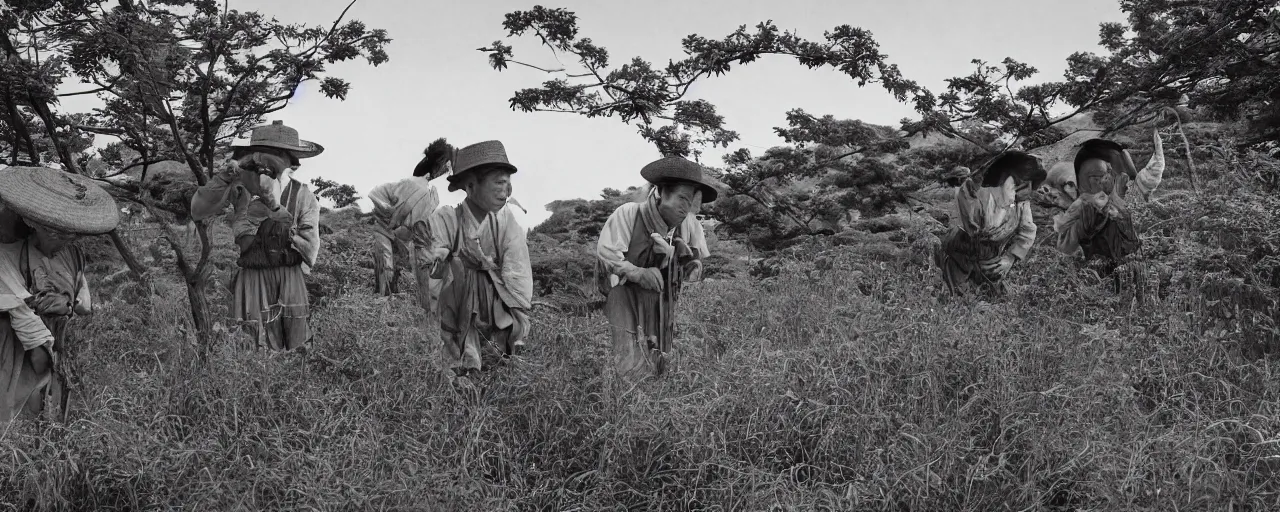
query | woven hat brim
(63,201)
(455,179)
(658,176)
(307,149)
(1103,149)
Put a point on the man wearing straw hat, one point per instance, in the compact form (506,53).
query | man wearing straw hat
(400,208)
(484,306)
(647,250)
(275,223)
(1098,223)
(42,281)
(994,228)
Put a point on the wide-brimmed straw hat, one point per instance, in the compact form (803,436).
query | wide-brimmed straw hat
(60,200)
(1108,150)
(674,168)
(277,135)
(1024,168)
(489,153)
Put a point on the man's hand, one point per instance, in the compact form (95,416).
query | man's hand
(41,358)
(1000,266)
(662,247)
(438,254)
(693,271)
(648,278)
(51,303)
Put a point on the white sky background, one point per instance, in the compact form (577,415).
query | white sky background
(437,84)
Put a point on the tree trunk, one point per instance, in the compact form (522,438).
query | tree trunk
(126,254)
(19,126)
(197,294)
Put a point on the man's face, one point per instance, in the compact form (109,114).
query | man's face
(264,161)
(50,240)
(679,200)
(491,190)
(1095,176)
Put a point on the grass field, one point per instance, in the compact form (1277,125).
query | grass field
(842,383)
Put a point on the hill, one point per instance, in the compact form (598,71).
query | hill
(835,377)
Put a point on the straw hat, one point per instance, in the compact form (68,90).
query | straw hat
(674,168)
(61,200)
(1108,150)
(277,135)
(1023,167)
(489,153)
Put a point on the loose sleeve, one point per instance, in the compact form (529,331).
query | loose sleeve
(697,237)
(615,237)
(1150,177)
(1025,236)
(212,198)
(307,241)
(26,324)
(1069,228)
(383,198)
(517,271)
(440,228)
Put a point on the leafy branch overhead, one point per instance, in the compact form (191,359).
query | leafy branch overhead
(178,80)
(653,97)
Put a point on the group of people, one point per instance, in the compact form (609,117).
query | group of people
(994,229)
(471,261)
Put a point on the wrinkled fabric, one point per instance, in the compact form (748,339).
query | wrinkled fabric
(401,210)
(1099,225)
(987,213)
(20,385)
(271,305)
(490,288)
(28,270)
(248,214)
(29,329)
(989,224)
(615,239)
(62,273)
(642,322)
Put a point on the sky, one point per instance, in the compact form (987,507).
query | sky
(437,84)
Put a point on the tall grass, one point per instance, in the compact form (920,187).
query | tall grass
(845,382)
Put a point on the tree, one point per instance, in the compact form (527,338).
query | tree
(653,98)
(342,195)
(1223,55)
(179,80)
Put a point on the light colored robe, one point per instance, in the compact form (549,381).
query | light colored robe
(247,214)
(489,303)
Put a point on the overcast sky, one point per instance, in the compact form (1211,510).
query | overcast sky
(437,84)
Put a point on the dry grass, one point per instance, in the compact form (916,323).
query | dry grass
(843,383)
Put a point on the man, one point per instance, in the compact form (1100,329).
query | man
(1097,223)
(42,281)
(484,305)
(397,208)
(275,222)
(646,251)
(994,228)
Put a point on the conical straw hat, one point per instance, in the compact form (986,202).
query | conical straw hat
(61,200)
